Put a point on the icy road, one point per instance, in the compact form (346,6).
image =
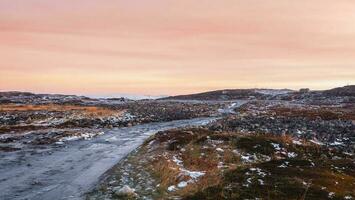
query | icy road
(69,171)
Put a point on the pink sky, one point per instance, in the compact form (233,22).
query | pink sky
(175,46)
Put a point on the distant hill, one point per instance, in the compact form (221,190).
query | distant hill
(27,97)
(31,98)
(218,95)
(231,94)
(348,90)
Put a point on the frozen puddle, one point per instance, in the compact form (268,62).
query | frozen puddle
(68,172)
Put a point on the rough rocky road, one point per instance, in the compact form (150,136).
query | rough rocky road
(69,171)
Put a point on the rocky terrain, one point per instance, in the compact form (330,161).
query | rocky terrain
(325,125)
(31,119)
(228,144)
(203,164)
(58,146)
(300,146)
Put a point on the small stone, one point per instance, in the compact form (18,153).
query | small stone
(124,191)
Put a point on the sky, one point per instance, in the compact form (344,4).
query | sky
(168,47)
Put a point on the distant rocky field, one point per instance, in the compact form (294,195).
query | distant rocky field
(43,120)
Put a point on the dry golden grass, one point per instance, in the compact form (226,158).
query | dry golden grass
(199,153)
(90,111)
(195,157)
(328,179)
(167,171)
(169,174)
(212,177)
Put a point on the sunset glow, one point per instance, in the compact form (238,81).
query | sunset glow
(165,47)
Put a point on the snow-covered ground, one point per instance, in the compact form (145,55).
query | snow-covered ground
(273,92)
(69,170)
(233,105)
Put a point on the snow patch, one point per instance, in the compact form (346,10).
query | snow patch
(272,92)
(172,188)
(292,154)
(316,142)
(85,136)
(182,184)
(297,142)
(331,194)
(276,146)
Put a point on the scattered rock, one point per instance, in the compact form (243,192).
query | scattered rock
(124,191)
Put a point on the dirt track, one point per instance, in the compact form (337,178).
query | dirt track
(69,171)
